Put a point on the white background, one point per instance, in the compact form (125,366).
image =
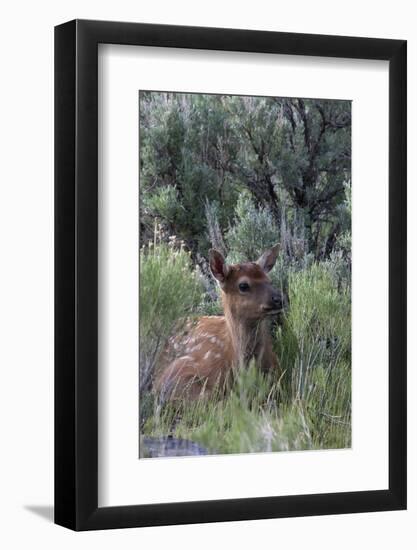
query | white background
(26,302)
(122,478)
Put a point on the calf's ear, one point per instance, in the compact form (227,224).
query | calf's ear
(218,265)
(269,257)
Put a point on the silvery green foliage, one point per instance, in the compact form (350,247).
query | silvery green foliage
(292,156)
(252,231)
(215,234)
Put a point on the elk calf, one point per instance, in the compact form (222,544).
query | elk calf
(207,351)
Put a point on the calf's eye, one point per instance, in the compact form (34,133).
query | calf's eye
(243,287)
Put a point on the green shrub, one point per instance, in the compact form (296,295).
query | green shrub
(164,204)
(252,232)
(319,312)
(315,352)
(170,290)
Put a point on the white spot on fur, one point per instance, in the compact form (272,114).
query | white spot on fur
(196,347)
(213,339)
(207,355)
(217,355)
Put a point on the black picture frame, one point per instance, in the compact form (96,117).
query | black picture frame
(76,272)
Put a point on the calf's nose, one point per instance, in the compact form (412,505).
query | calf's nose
(277,299)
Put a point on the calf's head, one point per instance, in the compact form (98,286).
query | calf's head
(247,291)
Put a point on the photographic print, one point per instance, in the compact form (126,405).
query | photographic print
(244,274)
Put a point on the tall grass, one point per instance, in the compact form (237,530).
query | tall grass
(314,348)
(170,290)
(304,405)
